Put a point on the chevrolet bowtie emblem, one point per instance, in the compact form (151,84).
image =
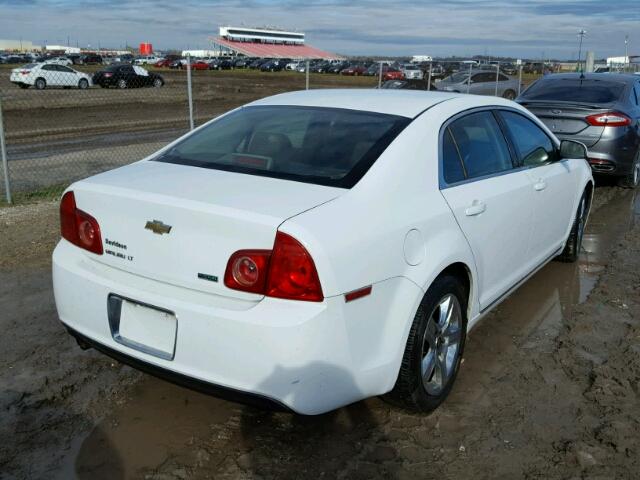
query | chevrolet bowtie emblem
(158,227)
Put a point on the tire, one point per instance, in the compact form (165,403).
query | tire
(423,384)
(574,242)
(509,95)
(157,83)
(40,84)
(122,84)
(632,179)
(83,84)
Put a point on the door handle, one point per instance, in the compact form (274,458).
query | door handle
(476,208)
(540,185)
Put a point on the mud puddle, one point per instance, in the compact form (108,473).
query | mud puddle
(165,431)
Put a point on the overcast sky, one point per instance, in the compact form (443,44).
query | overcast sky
(520,28)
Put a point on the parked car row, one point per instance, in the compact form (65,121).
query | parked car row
(51,74)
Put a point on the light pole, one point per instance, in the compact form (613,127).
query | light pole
(581,34)
(626,53)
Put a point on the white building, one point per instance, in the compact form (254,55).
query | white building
(263,35)
(62,48)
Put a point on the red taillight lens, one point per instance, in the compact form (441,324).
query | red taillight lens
(609,119)
(247,270)
(108,74)
(287,271)
(292,273)
(79,227)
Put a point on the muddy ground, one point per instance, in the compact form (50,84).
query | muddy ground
(548,388)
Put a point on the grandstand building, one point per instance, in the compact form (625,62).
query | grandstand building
(266,43)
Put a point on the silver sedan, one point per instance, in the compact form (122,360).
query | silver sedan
(481,82)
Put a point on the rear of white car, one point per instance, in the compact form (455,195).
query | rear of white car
(214,265)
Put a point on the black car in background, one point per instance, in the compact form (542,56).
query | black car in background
(90,60)
(258,62)
(127,76)
(242,62)
(408,84)
(220,64)
(601,111)
(275,65)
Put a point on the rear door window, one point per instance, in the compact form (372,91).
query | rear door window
(481,145)
(533,146)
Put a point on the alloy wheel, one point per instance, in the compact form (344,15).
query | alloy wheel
(441,344)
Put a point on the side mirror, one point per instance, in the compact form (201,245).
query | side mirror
(572,149)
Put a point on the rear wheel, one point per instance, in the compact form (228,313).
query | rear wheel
(574,242)
(157,83)
(122,83)
(83,84)
(434,348)
(40,84)
(632,179)
(509,95)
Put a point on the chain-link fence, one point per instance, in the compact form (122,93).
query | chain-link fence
(62,122)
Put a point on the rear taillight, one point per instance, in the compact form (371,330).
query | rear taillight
(247,270)
(609,119)
(79,227)
(287,271)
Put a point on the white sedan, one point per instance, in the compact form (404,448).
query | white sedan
(315,248)
(43,75)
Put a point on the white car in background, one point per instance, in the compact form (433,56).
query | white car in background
(148,60)
(412,72)
(43,75)
(315,248)
(59,61)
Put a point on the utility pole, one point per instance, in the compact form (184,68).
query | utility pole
(581,34)
(626,53)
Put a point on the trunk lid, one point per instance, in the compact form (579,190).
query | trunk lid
(568,120)
(200,217)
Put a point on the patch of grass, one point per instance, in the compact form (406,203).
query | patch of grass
(45,193)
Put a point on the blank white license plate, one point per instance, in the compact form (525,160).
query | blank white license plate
(147,329)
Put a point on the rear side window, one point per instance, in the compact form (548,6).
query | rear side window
(575,90)
(481,145)
(325,146)
(534,147)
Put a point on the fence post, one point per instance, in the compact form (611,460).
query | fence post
(307,74)
(469,79)
(430,68)
(497,78)
(189,93)
(520,79)
(380,76)
(5,163)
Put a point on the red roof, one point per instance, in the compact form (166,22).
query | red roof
(273,50)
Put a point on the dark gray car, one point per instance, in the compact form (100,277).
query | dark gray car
(601,111)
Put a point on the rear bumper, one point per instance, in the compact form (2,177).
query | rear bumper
(309,357)
(613,153)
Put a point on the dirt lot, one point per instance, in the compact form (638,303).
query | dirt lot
(548,389)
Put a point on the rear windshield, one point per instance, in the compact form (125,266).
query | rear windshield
(575,90)
(325,146)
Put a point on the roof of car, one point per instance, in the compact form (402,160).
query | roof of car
(406,103)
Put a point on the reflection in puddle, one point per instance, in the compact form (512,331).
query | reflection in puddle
(163,423)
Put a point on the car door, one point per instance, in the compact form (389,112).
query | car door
(553,181)
(68,77)
(49,72)
(479,82)
(490,198)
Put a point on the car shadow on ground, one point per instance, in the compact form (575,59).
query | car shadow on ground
(288,445)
